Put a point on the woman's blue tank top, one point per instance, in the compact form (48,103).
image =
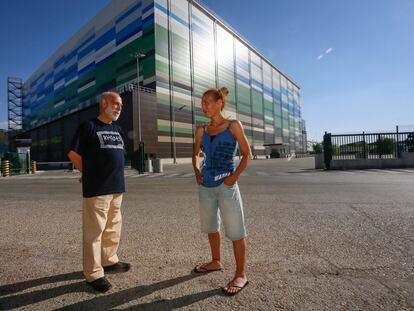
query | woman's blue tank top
(219,152)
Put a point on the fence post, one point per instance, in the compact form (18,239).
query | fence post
(364,147)
(327,150)
(398,144)
(379,146)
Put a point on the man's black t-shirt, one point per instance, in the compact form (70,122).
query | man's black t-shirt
(101,147)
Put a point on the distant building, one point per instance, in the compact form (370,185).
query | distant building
(185,49)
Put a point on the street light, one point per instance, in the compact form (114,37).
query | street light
(137,56)
(173,125)
(141,152)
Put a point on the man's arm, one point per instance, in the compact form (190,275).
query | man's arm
(76,159)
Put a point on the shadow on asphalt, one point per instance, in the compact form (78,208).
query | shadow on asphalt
(18,287)
(119,298)
(7,303)
(100,302)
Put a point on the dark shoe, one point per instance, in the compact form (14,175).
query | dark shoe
(118,267)
(101,285)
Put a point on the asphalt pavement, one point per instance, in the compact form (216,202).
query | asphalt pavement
(317,240)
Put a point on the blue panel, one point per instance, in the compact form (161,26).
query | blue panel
(59,75)
(129,12)
(105,38)
(161,8)
(197,29)
(146,9)
(148,21)
(71,72)
(180,20)
(128,31)
(86,51)
(256,83)
(86,69)
(59,62)
(71,55)
(84,43)
(244,79)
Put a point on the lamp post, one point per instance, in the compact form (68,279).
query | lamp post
(173,128)
(137,56)
(141,152)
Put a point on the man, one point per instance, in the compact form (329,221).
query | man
(97,151)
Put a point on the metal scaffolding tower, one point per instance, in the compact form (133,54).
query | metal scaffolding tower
(15,103)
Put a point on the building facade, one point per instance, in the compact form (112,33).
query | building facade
(185,49)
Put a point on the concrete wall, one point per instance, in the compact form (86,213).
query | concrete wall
(406,161)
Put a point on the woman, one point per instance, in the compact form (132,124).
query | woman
(218,187)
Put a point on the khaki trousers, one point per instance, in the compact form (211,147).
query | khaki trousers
(102,222)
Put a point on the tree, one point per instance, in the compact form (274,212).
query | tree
(317,148)
(386,145)
(409,142)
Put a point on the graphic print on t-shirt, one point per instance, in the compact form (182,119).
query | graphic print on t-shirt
(110,140)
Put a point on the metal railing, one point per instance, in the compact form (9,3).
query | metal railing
(367,145)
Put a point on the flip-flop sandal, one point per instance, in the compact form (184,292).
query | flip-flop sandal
(201,269)
(227,293)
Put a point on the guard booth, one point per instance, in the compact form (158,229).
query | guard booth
(17,162)
(278,150)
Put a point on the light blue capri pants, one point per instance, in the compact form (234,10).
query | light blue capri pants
(227,199)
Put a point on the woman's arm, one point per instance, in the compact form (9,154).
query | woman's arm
(238,132)
(196,155)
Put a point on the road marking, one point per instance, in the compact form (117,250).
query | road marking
(406,171)
(187,175)
(262,173)
(172,175)
(139,175)
(156,175)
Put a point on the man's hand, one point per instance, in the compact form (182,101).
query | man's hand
(230,180)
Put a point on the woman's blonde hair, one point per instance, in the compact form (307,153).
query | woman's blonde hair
(217,94)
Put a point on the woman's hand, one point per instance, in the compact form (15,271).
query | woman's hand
(230,180)
(199,177)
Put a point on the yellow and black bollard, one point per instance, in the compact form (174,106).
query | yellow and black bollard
(5,168)
(33,166)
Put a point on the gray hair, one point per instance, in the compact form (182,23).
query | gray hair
(105,96)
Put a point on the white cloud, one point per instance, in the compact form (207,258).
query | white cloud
(329,50)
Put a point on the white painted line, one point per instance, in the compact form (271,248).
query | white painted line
(156,175)
(262,173)
(172,175)
(187,175)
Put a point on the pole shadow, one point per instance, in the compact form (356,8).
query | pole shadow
(18,287)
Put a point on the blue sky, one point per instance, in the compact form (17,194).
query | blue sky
(353,59)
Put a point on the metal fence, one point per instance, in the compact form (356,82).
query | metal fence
(367,145)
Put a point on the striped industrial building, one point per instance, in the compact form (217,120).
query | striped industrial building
(180,49)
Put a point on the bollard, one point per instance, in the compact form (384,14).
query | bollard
(148,166)
(157,164)
(33,166)
(5,168)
